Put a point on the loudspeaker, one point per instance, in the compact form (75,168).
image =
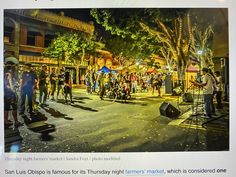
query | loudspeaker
(177,91)
(168,110)
(187,97)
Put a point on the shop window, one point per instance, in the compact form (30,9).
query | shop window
(48,39)
(31,38)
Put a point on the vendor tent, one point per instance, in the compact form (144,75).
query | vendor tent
(104,69)
(151,70)
(192,68)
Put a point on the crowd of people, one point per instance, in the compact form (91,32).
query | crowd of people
(26,86)
(34,88)
(47,83)
(120,86)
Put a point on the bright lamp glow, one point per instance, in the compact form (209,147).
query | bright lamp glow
(199,52)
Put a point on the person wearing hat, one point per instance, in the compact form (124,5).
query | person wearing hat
(27,88)
(208,89)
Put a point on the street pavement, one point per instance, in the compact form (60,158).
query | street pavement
(94,125)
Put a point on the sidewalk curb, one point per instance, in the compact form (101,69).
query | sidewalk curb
(181,119)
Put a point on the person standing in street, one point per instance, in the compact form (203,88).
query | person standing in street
(219,90)
(101,85)
(43,85)
(68,86)
(214,82)
(88,82)
(208,89)
(152,83)
(53,83)
(158,85)
(27,88)
(10,97)
(60,83)
(93,79)
(35,102)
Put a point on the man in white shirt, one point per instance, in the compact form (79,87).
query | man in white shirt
(208,89)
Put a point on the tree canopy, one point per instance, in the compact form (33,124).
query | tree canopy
(70,47)
(127,38)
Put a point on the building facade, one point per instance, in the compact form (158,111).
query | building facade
(27,32)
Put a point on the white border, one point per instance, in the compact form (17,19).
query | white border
(134,160)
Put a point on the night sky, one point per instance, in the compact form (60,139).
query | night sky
(83,15)
(215,16)
(80,14)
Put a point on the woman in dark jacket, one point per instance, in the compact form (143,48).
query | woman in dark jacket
(68,86)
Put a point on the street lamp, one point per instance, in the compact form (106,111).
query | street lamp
(199,53)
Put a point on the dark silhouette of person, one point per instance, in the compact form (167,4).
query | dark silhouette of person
(27,88)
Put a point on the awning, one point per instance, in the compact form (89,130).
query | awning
(192,68)
(151,70)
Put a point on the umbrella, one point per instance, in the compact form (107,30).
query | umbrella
(12,60)
(192,68)
(151,70)
(104,69)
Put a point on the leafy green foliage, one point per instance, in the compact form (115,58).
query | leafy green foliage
(126,37)
(70,47)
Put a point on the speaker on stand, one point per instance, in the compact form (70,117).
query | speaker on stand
(188,97)
(177,91)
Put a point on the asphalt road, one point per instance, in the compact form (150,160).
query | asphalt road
(94,125)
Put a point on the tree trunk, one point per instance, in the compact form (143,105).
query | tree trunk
(77,72)
(59,63)
(203,62)
(83,54)
(181,76)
